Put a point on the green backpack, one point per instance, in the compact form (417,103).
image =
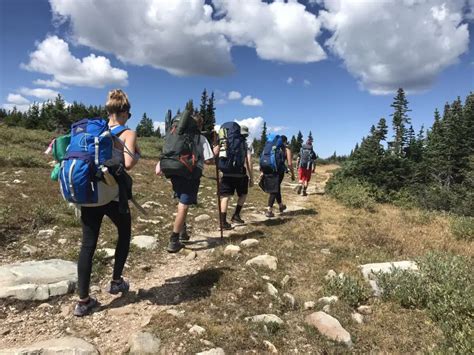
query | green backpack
(180,154)
(60,145)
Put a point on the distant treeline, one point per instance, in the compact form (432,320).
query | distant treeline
(432,169)
(55,115)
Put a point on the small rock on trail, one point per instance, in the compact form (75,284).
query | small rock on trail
(202,218)
(144,242)
(231,250)
(329,327)
(249,243)
(267,261)
(265,318)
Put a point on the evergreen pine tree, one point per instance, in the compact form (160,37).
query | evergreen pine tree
(299,142)
(399,120)
(145,127)
(209,117)
(263,139)
(310,136)
(203,106)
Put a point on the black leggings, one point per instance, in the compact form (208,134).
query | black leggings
(276,195)
(91,219)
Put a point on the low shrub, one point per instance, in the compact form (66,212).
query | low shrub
(352,290)
(444,286)
(352,193)
(463,228)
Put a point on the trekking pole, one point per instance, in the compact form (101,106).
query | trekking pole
(221,227)
(219,201)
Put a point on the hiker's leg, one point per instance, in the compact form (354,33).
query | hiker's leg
(278,195)
(271,200)
(123,222)
(180,217)
(91,219)
(242,191)
(224,204)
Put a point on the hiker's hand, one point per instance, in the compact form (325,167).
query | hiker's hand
(158,169)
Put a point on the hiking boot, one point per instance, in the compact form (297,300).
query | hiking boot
(184,236)
(226,225)
(116,287)
(174,245)
(269,214)
(282,208)
(237,219)
(84,308)
(305,193)
(298,189)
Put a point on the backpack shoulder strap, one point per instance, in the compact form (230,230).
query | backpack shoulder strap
(117,130)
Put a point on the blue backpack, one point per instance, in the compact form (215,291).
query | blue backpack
(90,148)
(232,153)
(273,156)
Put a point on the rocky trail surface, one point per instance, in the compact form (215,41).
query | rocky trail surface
(164,285)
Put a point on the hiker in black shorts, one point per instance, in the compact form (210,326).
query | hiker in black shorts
(237,182)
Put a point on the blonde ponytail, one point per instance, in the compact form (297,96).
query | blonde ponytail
(117,102)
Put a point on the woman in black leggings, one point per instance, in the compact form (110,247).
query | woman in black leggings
(125,150)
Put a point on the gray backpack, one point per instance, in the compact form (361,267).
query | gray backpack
(306,154)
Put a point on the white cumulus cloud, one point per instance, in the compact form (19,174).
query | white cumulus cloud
(40,93)
(53,57)
(48,83)
(234,95)
(160,125)
(17,99)
(251,101)
(394,43)
(191,37)
(306,82)
(255,126)
(289,80)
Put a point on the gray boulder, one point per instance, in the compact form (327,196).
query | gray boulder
(37,280)
(144,242)
(267,261)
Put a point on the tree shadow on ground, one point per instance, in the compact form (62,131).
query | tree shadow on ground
(174,291)
(271,222)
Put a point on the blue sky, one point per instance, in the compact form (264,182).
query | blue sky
(344,74)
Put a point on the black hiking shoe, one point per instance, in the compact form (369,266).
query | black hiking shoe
(116,287)
(305,193)
(183,235)
(269,214)
(298,189)
(84,308)
(237,219)
(226,226)
(282,208)
(174,245)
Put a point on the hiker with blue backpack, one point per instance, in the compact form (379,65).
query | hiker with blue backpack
(93,176)
(306,163)
(182,161)
(273,168)
(235,164)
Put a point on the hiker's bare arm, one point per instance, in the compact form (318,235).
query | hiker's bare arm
(248,163)
(289,157)
(215,150)
(130,141)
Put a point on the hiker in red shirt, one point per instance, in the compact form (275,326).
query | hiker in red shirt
(306,166)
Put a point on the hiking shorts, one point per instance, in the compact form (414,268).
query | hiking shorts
(304,174)
(185,190)
(230,185)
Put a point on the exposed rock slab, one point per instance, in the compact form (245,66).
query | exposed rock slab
(62,346)
(144,343)
(37,280)
(265,318)
(144,241)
